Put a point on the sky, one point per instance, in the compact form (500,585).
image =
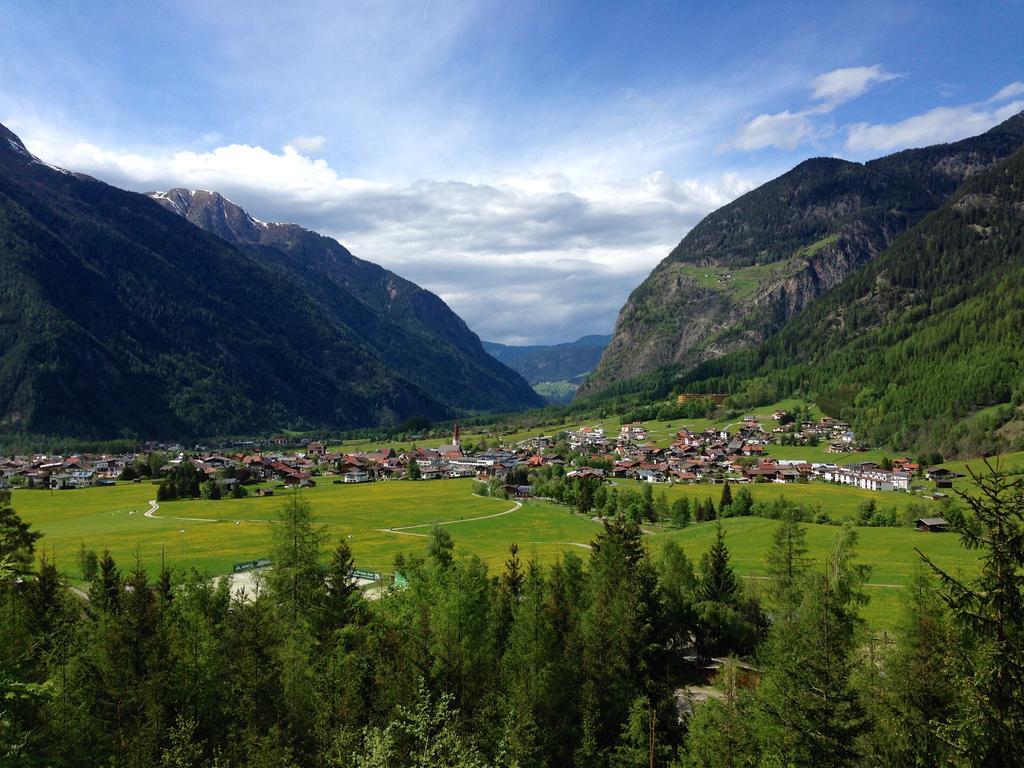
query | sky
(529,161)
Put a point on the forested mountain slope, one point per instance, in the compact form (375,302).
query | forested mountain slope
(122,319)
(747,268)
(551,362)
(411,329)
(922,336)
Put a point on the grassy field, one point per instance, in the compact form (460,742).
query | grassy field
(213,535)
(839,501)
(889,551)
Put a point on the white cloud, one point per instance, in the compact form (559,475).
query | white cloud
(938,125)
(788,130)
(1009,91)
(309,144)
(842,85)
(528,256)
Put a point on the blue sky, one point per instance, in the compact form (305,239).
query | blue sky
(528,161)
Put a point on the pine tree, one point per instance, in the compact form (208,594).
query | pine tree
(440,546)
(342,600)
(990,608)
(297,578)
(811,713)
(718,583)
(720,733)
(726,501)
(914,692)
(105,591)
(17,540)
(681,512)
(787,562)
(661,508)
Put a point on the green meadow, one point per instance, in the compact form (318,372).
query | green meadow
(839,501)
(890,552)
(213,535)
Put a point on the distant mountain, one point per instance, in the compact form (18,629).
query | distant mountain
(411,330)
(749,267)
(928,333)
(551,362)
(121,318)
(554,370)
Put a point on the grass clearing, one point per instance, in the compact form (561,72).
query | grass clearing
(113,518)
(891,553)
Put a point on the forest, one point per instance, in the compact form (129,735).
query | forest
(587,662)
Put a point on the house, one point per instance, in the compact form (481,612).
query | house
(932,524)
(356,476)
(78,478)
(299,480)
(650,476)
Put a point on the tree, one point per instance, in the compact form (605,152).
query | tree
(343,599)
(787,562)
(425,735)
(743,503)
(678,585)
(297,578)
(718,583)
(990,607)
(105,591)
(681,512)
(661,508)
(811,713)
(412,472)
(726,501)
(440,546)
(17,540)
(211,490)
(913,693)
(88,562)
(720,733)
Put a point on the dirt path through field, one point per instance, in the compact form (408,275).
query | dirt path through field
(404,530)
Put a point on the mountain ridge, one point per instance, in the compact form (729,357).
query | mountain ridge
(123,319)
(409,327)
(918,339)
(748,267)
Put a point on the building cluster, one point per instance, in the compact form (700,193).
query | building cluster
(738,454)
(60,472)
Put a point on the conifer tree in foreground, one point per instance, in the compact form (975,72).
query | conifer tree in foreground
(810,712)
(989,729)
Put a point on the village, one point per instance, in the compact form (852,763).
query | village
(737,455)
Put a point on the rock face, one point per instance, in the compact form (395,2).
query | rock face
(412,330)
(750,266)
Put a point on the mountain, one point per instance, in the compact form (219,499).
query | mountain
(923,336)
(121,318)
(749,267)
(551,362)
(409,328)
(554,370)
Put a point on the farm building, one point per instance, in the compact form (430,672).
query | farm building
(932,524)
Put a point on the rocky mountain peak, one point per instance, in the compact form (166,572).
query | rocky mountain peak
(213,212)
(9,142)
